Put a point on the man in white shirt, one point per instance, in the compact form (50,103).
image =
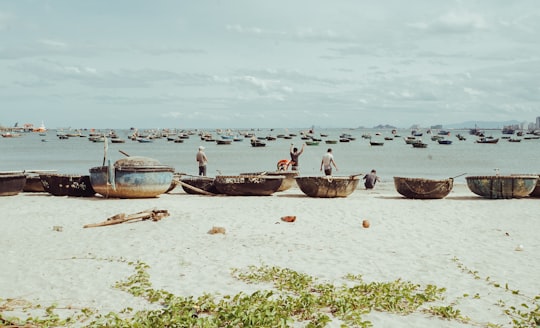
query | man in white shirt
(201,158)
(327,162)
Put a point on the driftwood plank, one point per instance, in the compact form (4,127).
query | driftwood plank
(153,214)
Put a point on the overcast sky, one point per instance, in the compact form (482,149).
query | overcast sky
(247,63)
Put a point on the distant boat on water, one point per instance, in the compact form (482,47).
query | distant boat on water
(40,129)
(487,140)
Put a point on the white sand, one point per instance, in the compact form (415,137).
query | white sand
(415,240)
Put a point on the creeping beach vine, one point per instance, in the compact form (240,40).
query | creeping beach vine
(291,298)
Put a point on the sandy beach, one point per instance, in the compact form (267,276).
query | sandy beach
(463,243)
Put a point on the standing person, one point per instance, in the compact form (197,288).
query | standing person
(327,162)
(371,179)
(295,153)
(203,160)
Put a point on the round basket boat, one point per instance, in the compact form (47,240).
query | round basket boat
(132,177)
(286,183)
(67,185)
(420,188)
(502,187)
(200,183)
(536,191)
(328,186)
(11,183)
(248,185)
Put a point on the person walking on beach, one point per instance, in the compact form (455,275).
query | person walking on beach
(295,153)
(371,179)
(327,162)
(203,160)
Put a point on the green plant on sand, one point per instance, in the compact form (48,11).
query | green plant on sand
(293,299)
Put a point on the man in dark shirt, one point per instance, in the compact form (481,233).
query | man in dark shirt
(371,179)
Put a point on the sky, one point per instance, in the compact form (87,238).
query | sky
(268,64)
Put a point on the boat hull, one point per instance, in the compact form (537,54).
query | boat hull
(203,183)
(287,182)
(502,187)
(327,186)
(248,185)
(139,182)
(67,185)
(33,184)
(419,188)
(536,191)
(11,184)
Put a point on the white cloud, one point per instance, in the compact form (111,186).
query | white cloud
(53,43)
(384,60)
(472,92)
(454,22)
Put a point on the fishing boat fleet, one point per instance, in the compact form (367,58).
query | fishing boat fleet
(142,177)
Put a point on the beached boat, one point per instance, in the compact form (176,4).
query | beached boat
(132,177)
(327,186)
(420,188)
(248,185)
(287,182)
(74,185)
(206,184)
(536,191)
(11,183)
(33,183)
(502,187)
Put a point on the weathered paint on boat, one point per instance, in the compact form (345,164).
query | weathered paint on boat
(420,188)
(203,183)
(11,184)
(502,187)
(328,186)
(248,185)
(287,182)
(67,185)
(132,177)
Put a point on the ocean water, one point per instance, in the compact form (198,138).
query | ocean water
(77,155)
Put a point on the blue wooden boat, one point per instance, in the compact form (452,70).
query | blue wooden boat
(132,177)
(11,183)
(502,187)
